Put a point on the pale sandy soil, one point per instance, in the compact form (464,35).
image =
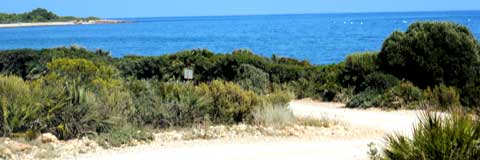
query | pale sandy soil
(367,125)
(16,25)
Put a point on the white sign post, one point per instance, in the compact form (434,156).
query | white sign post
(188,74)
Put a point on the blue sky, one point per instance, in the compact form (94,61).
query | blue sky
(161,8)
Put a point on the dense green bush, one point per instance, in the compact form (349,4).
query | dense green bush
(403,95)
(437,136)
(331,91)
(356,68)
(432,53)
(22,62)
(366,99)
(230,103)
(279,98)
(168,104)
(208,66)
(252,78)
(303,88)
(30,64)
(379,82)
(469,93)
(65,109)
(20,106)
(83,72)
(184,104)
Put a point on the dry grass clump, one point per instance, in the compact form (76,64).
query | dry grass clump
(281,116)
(316,122)
(275,116)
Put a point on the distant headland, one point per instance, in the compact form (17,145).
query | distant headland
(43,17)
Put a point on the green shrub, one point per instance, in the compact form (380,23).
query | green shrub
(252,78)
(145,67)
(356,68)
(343,95)
(20,106)
(75,111)
(469,93)
(30,64)
(27,108)
(173,104)
(304,88)
(366,99)
(442,96)
(147,103)
(168,104)
(183,104)
(431,53)
(280,73)
(23,63)
(403,95)
(329,91)
(82,71)
(62,108)
(438,137)
(123,136)
(379,81)
(279,98)
(230,103)
(74,69)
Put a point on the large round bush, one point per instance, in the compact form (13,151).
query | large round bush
(431,53)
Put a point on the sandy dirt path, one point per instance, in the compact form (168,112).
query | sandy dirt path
(281,148)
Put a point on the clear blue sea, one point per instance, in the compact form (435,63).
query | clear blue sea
(319,38)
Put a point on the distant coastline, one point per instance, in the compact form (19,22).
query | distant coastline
(40,24)
(43,17)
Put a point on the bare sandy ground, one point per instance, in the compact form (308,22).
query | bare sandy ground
(376,123)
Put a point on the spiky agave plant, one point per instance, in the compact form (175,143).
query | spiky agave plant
(438,136)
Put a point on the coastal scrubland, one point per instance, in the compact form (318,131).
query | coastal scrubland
(39,15)
(72,92)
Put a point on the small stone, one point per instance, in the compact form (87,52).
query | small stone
(48,138)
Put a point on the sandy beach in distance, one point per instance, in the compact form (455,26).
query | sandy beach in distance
(15,25)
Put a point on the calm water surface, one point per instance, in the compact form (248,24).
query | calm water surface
(320,38)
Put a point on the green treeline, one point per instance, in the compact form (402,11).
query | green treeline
(74,92)
(38,15)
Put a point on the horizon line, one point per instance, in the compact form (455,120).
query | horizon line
(281,14)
